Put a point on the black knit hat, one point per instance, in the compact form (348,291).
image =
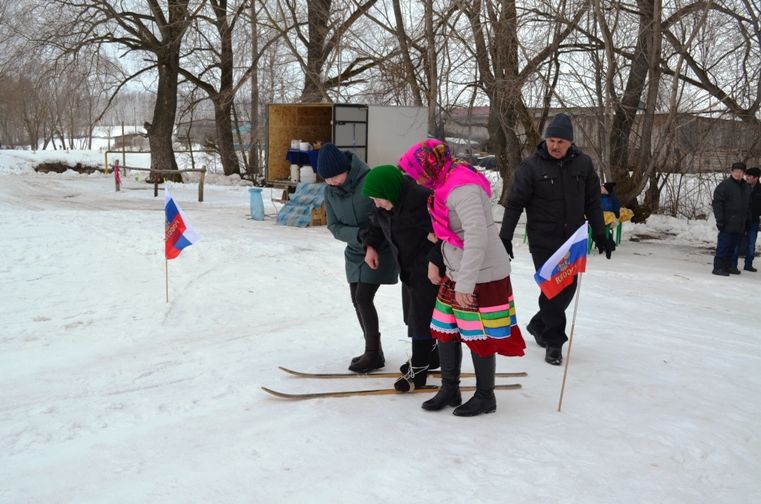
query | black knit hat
(560,127)
(753,172)
(739,165)
(331,161)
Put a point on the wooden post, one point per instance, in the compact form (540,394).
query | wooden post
(166,277)
(200,183)
(156,188)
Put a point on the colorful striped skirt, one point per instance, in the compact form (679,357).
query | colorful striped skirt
(487,327)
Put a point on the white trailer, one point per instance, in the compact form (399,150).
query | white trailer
(377,134)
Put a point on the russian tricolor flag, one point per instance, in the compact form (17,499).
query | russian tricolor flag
(563,266)
(177,232)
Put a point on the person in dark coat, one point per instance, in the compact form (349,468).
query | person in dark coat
(609,203)
(730,204)
(559,189)
(608,199)
(751,225)
(348,213)
(401,219)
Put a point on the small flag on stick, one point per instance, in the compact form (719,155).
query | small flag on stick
(178,234)
(178,231)
(562,267)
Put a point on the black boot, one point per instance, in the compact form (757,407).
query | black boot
(535,328)
(553,355)
(450,356)
(372,358)
(719,267)
(483,401)
(424,353)
(415,371)
(434,361)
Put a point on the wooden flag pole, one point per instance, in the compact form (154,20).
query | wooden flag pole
(166,278)
(570,343)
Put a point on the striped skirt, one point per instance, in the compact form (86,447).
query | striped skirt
(487,327)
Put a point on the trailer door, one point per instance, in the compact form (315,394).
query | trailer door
(350,128)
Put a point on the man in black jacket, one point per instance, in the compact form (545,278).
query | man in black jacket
(754,214)
(730,207)
(559,189)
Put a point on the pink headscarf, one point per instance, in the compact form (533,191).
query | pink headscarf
(431,165)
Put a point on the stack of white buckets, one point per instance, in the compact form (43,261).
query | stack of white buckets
(304,174)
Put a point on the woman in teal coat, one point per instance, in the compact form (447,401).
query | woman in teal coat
(348,212)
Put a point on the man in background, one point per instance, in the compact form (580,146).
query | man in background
(748,243)
(730,208)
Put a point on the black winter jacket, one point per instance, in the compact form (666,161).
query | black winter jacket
(731,200)
(558,195)
(755,203)
(406,229)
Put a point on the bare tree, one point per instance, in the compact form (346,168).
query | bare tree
(321,42)
(505,65)
(140,27)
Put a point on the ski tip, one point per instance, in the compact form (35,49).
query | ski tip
(274,392)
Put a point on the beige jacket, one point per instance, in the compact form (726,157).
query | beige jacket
(483,257)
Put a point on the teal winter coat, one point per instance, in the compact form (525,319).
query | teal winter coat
(348,212)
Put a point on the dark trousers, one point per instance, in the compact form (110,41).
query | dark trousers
(726,244)
(749,251)
(418,301)
(363,297)
(550,320)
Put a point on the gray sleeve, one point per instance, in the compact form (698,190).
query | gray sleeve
(468,203)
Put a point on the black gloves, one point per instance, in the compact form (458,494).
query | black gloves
(508,247)
(603,245)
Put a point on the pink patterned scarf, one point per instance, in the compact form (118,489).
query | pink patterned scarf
(431,165)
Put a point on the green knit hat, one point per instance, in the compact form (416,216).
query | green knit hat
(384,182)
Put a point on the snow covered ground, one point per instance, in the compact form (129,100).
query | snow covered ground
(109,394)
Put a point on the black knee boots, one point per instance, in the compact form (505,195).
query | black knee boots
(372,358)
(415,371)
(483,401)
(450,358)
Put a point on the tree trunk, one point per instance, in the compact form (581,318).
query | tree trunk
(225,141)
(164,111)
(224,99)
(318,13)
(626,108)
(253,154)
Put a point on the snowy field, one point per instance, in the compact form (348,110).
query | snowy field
(111,395)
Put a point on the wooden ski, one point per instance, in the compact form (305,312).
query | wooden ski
(374,392)
(434,373)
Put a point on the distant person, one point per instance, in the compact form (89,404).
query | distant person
(475,299)
(348,214)
(608,199)
(609,203)
(730,204)
(401,219)
(751,225)
(559,189)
